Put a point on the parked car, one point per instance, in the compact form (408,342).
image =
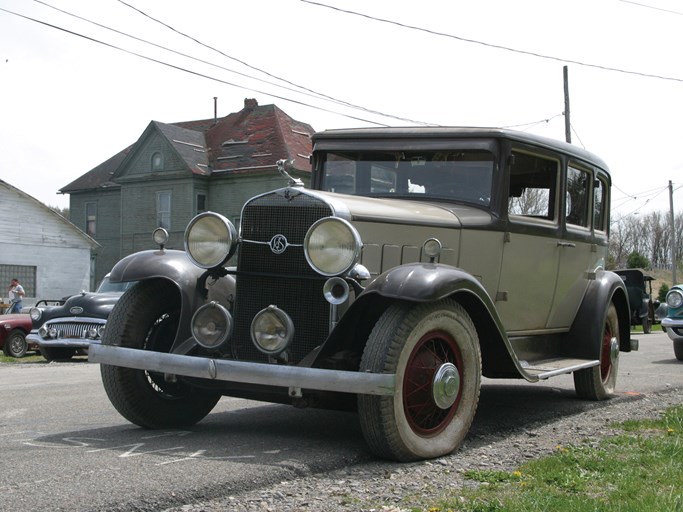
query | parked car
(673,323)
(68,327)
(639,288)
(13,330)
(419,260)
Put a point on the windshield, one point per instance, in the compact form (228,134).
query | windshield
(458,175)
(107,287)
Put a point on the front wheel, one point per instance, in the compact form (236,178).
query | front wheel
(15,344)
(146,317)
(599,382)
(678,349)
(433,349)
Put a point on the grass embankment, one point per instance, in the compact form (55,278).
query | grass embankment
(639,470)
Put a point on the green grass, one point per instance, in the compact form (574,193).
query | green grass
(640,470)
(29,358)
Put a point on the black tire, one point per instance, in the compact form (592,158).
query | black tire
(146,317)
(599,382)
(15,344)
(57,353)
(415,341)
(678,349)
(647,326)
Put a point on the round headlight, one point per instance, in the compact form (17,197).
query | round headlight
(674,299)
(211,325)
(210,240)
(332,246)
(35,314)
(272,330)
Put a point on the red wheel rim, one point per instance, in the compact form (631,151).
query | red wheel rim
(606,353)
(433,350)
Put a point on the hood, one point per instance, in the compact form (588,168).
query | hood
(94,305)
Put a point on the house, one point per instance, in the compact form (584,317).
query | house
(49,255)
(177,170)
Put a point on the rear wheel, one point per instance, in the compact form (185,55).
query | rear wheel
(433,349)
(15,344)
(599,382)
(146,317)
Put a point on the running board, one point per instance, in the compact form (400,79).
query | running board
(544,369)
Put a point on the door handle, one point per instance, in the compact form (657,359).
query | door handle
(565,244)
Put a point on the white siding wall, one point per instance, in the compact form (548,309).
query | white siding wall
(33,235)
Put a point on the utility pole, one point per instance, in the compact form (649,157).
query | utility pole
(567,124)
(673,233)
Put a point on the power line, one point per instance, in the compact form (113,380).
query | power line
(652,7)
(310,93)
(490,45)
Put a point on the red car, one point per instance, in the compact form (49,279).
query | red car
(13,331)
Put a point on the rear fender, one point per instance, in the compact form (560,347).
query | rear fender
(587,329)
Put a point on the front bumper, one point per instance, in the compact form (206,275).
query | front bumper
(295,378)
(61,342)
(674,328)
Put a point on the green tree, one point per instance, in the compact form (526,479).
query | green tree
(663,290)
(637,260)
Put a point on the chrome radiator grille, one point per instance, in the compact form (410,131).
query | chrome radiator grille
(285,280)
(71,329)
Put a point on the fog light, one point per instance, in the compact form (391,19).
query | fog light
(211,325)
(92,333)
(43,331)
(272,330)
(52,332)
(100,331)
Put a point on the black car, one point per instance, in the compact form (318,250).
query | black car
(65,329)
(639,288)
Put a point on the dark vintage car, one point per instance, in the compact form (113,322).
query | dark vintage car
(639,288)
(63,330)
(419,261)
(13,331)
(673,323)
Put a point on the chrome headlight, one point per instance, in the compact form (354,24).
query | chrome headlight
(35,314)
(272,330)
(332,246)
(674,299)
(211,325)
(210,240)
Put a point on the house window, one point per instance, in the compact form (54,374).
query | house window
(91,219)
(164,210)
(201,203)
(157,162)
(26,275)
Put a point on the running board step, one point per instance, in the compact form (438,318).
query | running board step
(544,369)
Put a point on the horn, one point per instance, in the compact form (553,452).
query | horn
(336,290)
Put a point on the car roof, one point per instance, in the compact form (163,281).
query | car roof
(431,132)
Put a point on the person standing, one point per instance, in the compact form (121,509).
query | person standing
(16,294)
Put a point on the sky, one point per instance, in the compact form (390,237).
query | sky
(80,80)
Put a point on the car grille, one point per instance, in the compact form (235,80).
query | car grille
(71,329)
(284,280)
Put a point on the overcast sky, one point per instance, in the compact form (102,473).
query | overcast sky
(69,101)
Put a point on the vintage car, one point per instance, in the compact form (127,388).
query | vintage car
(13,330)
(69,327)
(419,260)
(673,323)
(639,289)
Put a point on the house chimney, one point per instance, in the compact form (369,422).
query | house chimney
(250,103)
(215,109)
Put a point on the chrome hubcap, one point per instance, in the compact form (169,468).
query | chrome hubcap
(614,350)
(446,385)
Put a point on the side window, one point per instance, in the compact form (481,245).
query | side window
(164,210)
(91,219)
(599,205)
(533,186)
(578,189)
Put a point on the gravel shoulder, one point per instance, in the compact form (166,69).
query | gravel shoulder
(391,487)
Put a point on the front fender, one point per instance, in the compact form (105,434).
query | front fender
(188,278)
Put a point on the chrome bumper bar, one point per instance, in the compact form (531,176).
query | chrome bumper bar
(60,342)
(294,377)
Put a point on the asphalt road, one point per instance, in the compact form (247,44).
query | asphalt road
(64,447)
